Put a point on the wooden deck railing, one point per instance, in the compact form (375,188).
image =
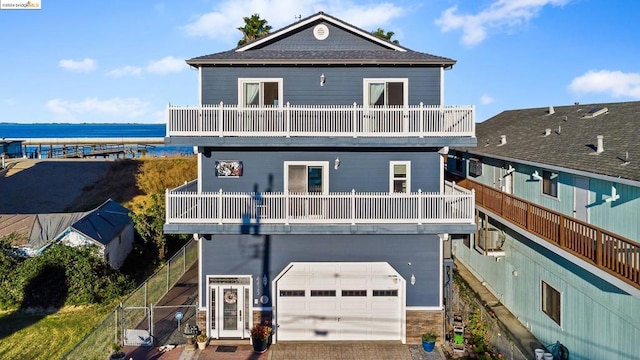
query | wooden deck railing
(318,209)
(222,120)
(608,251)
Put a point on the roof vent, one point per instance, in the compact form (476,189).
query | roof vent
(503,140)
(595,112)
(551,111)
(600,147)
(547,132)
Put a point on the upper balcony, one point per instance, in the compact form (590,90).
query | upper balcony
(319,213)
(608,252)
(321,126)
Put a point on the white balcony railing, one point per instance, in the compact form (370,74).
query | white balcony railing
(321,120)
(316,209)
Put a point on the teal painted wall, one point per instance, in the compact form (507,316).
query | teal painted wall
(598,320)
(620,216)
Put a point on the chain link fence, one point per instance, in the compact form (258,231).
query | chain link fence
(97,343)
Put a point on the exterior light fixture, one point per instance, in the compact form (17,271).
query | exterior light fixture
(323,79)
(336,163)
(413,279)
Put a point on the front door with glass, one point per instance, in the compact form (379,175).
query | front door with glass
(229,313)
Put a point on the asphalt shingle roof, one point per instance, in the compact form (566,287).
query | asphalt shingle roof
(573,138)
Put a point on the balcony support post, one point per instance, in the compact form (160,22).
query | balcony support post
(420,206)
(421,120)
(562,236)
(287,110)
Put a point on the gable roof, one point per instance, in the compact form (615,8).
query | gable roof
(262,52)
(572,139)
(104,223)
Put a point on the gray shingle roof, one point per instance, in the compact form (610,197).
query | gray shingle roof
(259,55)
(573,138)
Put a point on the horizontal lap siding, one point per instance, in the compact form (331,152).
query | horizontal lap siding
(247,254)
(360,171)
(301,85)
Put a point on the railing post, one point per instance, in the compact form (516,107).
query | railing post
(561,239)
(421,120)
(288,119)
(220,207)
(355,120)
(220,120)
(353,206)
(286,208)
(599,249)
(184,259)
(419,206)
(473,201)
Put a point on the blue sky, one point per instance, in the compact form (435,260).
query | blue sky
(123,61)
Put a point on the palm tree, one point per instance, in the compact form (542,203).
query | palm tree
(385,35)
(254,27)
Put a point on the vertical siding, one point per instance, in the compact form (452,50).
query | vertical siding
(599,321)
(620,216)
(301,85)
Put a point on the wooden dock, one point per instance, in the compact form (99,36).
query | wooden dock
(51,148)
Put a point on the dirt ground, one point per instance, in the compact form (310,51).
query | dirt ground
(30,186)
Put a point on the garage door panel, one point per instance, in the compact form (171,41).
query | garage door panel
(338,303)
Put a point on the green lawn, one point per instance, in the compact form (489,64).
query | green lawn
(31,336)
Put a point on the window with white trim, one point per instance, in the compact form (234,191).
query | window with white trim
(550,183)
(551,302)
(386,92)
(260,92)
(306,176)
(400,176)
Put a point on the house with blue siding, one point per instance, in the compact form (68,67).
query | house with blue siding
(320,202)
(557,208)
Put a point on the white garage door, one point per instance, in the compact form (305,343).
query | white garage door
(339,301)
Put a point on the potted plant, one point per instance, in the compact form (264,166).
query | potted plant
(116,352)
(429,341)
(260,335)
(201,339)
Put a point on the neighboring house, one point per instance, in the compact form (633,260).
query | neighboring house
(11,148)
(320,202)
(108,227)
(557,194)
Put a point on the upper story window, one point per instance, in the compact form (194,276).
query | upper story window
(260,92)
(386,92)
(400,176)
(551,302)
(550,183)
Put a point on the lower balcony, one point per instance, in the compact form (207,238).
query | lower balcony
(312,213)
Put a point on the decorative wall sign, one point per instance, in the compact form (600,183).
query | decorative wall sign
(228,168)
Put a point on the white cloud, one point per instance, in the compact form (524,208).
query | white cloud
(166,65)
(115,107)
(222,23)
(83,66)
(486,99)
(615,83)
(125,70)
(502,14)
